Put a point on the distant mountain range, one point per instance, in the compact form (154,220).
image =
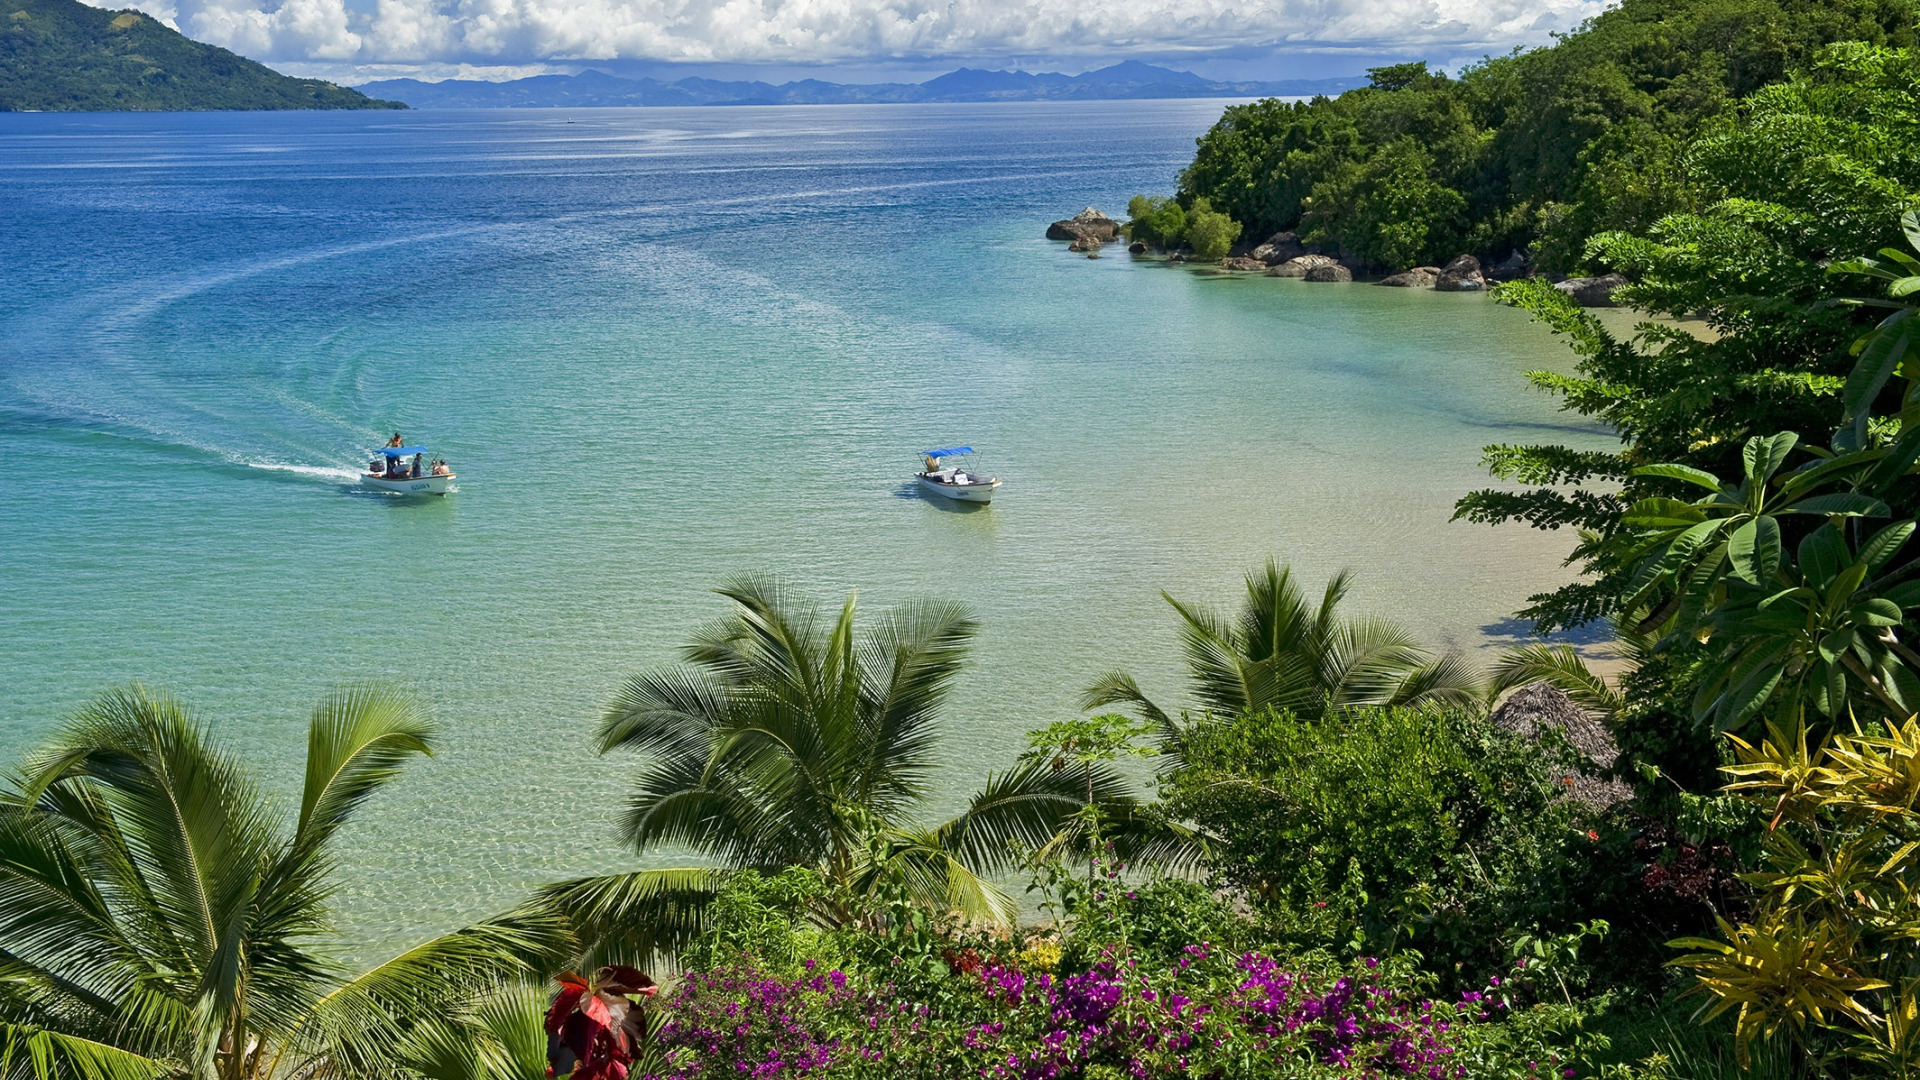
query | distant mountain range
(62,55)
(591,89)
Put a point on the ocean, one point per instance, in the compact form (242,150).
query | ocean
(661,347)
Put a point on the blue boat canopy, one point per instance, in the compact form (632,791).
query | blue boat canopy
(950,451)
(403,451)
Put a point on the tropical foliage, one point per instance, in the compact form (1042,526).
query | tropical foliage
(1394,827)
(792,739)
(1542,150)
(1351,869)
(1810,172)
(1830,946)
(159,915)
(1279,651)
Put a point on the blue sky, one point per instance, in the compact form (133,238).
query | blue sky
(858,40)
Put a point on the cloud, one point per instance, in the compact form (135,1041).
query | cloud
(517,33)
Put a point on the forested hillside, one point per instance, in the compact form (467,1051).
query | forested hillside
(1538,150)
(62,55)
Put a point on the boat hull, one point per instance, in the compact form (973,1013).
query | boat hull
(425,485)
(973,493)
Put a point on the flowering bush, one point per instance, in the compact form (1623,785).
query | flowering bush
(1209,1014)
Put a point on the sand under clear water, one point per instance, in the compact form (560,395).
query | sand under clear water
(661,347)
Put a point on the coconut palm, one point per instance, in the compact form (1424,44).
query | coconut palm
(790,739)
(160,915)
(1563,667)
(1278,651)
(500,1035)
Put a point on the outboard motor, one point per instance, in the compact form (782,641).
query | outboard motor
(378,467)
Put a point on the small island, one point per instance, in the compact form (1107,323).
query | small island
(65,56)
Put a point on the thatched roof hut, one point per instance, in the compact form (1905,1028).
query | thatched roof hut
(1533,709)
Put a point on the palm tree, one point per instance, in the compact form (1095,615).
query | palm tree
(1279,652)
(790,739)
(498,1036)
(1562,666)
(160,915)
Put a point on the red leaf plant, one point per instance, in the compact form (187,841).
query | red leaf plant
(596,1027)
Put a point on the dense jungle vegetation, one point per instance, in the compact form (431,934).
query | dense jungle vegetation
(1540,150)
(1339,854)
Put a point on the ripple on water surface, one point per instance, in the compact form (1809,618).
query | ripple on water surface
(662,347)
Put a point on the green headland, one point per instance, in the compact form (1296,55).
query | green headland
(64,56)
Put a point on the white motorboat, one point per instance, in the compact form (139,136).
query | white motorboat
(955,481)
(398,469)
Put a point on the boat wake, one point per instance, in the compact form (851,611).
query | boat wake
(317,472)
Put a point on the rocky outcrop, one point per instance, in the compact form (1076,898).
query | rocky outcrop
(1243,264)
(1334,272)
(1088,224)
(1084,243)
(1420,277)
(1511,268)
(1592,291)
(1279,248)
(1138,247)
(1461,275)
(1300,264)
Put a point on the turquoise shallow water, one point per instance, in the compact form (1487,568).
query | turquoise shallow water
(662,346)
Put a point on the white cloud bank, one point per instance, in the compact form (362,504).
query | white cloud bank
(500,34)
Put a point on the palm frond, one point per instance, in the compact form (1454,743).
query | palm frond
(1119,688)
(1142,837)
(1214,660)
(1030,807)
(1560,666)
(33,1053)
(666,713)
(938,880)
(908,663)
(198,829)
(499,1037)
(366,1018)
(635,918)
(53,917)
(1274,619)
(1370,659)
(1451,679)
(358,741)
(714,814)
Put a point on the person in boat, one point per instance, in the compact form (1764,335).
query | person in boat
(440,468)
(933,463)
(396,440)
(415,475)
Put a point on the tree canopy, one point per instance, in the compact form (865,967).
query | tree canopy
(1542,149)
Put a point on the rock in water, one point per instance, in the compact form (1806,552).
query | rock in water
(1087,224)
(1300,264)
(1334,272)
(1461,275)
(1279,248)
(1242,263)
(1084,243)
(1138,247)
(1513,266)
(1592,291)
(1420,277)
